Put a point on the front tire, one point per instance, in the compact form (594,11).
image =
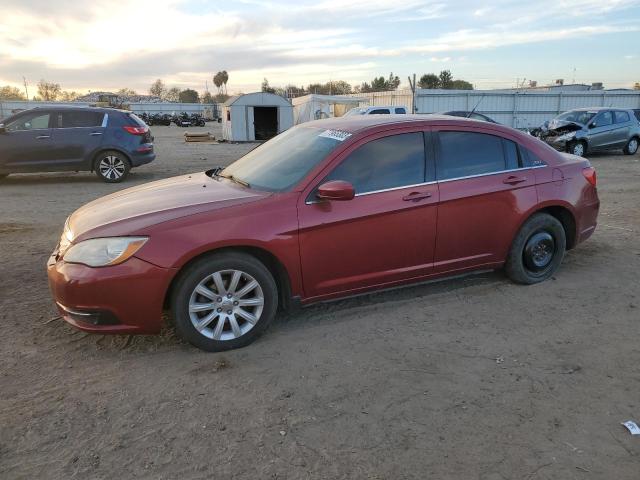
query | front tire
(537,251)
(111,166)
(224,301)
(578,148)
(631,147)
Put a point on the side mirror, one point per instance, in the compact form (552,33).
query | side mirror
(592,125)
(2,128)
(336,190)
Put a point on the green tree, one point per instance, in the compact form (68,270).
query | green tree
(381,84)
(48,91)
(221,98)
(429,80)
(461,85)
(67,96)
(265,87)
(11,93)
(158,89)
(188,96)
(446,79)
(206,97)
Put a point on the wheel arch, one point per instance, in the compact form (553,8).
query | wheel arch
(564,215)
(268,259)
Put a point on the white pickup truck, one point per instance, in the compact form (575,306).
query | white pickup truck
(377,110)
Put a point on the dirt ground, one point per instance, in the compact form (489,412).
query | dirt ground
(470,378)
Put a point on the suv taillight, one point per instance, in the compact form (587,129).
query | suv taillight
(136,130)
(590,174)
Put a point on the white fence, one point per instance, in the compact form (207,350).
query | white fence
(522,109)
(9,107)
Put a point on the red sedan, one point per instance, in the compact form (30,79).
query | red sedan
(325,210)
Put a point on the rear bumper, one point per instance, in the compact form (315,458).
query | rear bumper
(588,219)
(141,158)
(124,299)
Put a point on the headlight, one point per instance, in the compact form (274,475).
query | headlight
(567,136)
(100,252)
(65,239)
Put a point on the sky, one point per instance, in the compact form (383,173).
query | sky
(108,44)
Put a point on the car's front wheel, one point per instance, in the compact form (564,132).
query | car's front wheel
(224,301)
(578,148)
(111,166)
(631,147)
(537,251)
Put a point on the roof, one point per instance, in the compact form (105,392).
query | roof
(356,123)
(258,98)
(327,99)
(79,107)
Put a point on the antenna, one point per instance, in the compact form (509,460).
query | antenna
(474,108)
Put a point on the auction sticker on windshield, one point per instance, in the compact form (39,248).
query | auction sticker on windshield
(335,135)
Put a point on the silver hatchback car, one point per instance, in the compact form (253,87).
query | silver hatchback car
(593,129)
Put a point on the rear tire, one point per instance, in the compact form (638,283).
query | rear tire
(537,250)
(578,148)
(224,301)
(111,166)
(631,147)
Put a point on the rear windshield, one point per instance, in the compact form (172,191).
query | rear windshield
(283,161)
(136,119)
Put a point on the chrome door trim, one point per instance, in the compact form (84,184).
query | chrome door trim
(491,173)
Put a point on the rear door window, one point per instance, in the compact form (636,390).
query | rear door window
(389,162)
(379,111)
(464,154)
(79,118)
(621,117)
(401,110)
(511,154)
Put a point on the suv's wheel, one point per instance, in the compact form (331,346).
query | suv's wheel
(631,147)
(111,166)
(578,148)
(224,301)
(537,250)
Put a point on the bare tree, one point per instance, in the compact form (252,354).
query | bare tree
(158,89)
(172,95)
(11,93)
(48,91)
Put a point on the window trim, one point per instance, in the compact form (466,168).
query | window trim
(492,173)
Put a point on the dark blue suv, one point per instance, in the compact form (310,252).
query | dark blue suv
(107,141)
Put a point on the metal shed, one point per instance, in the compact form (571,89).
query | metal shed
(255,116)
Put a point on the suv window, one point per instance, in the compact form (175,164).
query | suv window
(463,154)
(603,119)
(621,117)
(384,163)
(637,114)
(33,121)
(401,110)
(79,118)
(379,111)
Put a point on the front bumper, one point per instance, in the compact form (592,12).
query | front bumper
(556,143)
(123,299)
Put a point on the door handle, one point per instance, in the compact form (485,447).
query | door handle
(415,196)
(513,180)
(41,137)
(95,134)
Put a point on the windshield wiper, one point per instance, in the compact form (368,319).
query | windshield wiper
(236,180)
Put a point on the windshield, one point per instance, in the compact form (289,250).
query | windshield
(283,161)
(578,116)
(356,111)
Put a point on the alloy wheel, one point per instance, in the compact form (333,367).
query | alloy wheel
(578,149)
(226,305)
(112,167)
(633,146)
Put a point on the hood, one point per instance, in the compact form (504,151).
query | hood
(564,126)
(133,209)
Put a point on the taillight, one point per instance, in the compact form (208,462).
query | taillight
(590,174)
(136,130)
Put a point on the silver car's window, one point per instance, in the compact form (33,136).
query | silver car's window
(33,121)
(603,119)
(578,116)
(621,117)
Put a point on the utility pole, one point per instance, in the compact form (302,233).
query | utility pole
(412,84)
(26,90)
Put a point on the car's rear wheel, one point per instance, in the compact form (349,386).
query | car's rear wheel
(112,166)
(631,147)
(578,148)
(537,251)
(224,301)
